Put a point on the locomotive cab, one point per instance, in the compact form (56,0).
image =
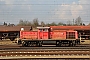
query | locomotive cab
(43,32)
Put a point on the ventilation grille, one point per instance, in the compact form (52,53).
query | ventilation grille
(70,35)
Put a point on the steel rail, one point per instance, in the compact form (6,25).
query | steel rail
(45,54)
(45,50)
(12,48)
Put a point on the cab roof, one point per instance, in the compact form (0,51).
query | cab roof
(43,27)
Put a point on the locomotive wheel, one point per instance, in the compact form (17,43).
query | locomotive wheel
(78,42)
(40,43)
(29,43)
(37,44)
(24,44)
(58,43)
(73,43)
(70,43)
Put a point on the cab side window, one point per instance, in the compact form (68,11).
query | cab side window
(45,30)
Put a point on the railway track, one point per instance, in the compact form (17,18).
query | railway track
(45,53)
(13,54)
(14,51)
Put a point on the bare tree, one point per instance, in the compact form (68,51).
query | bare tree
(53,24)
(61,24)
(21,23)
(69,23)
(24,23)
(78,21)
(35,22)
(42,23)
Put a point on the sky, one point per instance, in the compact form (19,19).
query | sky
(11,11)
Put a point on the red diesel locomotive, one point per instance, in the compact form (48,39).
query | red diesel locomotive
(47,36)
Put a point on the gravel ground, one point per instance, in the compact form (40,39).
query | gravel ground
(7,42)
